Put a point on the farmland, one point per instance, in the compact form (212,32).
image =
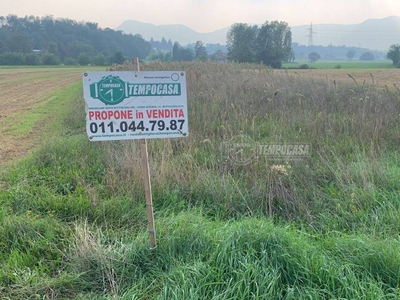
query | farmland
(73,214)
(379,78)
(342,64)
(27,101)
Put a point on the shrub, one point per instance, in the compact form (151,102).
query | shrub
(12,59)
(83,59)
(50,59)
(368,56)
(99,60)
(69,61)
(304,66)
(32,59)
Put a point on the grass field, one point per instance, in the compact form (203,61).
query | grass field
(342,64)
(73,214)
(28,101)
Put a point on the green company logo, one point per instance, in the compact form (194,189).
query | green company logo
(111,90)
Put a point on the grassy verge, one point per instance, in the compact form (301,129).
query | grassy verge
(73,220)
(54,108)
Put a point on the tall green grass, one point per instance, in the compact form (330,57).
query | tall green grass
(73,214)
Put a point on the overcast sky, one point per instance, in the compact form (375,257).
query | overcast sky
(205,15)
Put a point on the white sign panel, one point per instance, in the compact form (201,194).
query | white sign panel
(135,105)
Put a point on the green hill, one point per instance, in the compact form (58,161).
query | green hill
(26,40)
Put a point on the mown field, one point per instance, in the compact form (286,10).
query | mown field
(73,214)
(27,102)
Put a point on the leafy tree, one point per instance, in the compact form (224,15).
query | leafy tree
(367,56)
(12,58)
(291,57)
(76,48)
(52,47)
(164,44)
(394,54)
(19,43)
(219,56)
(273,43)
(69,61)
(156,56)
(170,45)
(241,42)
(350,54)
(99,60)
(32,59)
(159,55)
(186,54)
(182,54)
(83,59)
(50,59)
(2,47)
(175,52)
(313,57)
(118,58)
(168,56)
(200,51)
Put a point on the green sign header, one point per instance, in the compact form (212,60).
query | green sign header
(112,90)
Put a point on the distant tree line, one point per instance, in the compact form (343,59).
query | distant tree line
(179,53)
(163,50)
(33,40)
(162,45)
(393,54)
(336,52)
(366,56)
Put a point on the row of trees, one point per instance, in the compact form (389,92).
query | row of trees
(180,53)
(367,56)
(68,40)
(162,45)
(56,41)
(270,43)
(393,54)
(32,59)
(334,52)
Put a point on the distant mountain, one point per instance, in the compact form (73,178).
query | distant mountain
(375,34)
(181,33)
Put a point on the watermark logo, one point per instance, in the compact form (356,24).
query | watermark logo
(240,149)
(243,150)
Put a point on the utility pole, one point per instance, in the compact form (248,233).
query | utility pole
(310,35)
